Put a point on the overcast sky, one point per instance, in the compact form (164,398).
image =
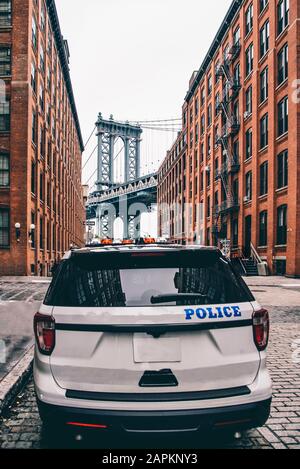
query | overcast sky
(134,58)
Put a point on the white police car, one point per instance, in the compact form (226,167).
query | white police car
(156,338)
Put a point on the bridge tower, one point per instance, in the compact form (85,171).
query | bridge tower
(108,131)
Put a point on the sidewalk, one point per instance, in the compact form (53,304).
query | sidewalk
(25,280)
(20,298)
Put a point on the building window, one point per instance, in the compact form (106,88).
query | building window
(208,146)
(5,61)
(49,80)
(282,225)
(217,102)
(249,19)
(5,116)
(43,17)
(263,228)
(41,187)
(264,131)
(33,177)
(202,124)
(237,36)
(264,39)
(196,107)
(249,60)
(236,151)
(42,98)
(248,193)
(283,13)
(237,74)
(208,207)
(4,170)
(4,228)
(41,233)
(202,96)
(282,64)
(249,100)
(263,178)
(264,88)
(33,77)
(263,4)
(235,232)
(5,13)
(209,85)
(248,144)
(209,115)
(34,33)
(208,175)
(42,58)
(282,170)
(33,231)
(33,128)
(283,116)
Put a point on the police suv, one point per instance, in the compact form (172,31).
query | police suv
(151,338)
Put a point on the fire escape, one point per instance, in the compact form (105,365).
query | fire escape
(230,127)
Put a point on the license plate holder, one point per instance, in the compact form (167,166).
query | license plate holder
(147,349)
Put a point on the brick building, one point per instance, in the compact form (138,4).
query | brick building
(239,150)
(41,199)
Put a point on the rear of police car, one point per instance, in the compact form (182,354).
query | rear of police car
(151,338)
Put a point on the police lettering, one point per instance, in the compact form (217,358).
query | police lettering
(219,312)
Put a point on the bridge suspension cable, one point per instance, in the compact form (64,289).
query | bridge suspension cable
(88,140)
(89,157)
(158,120)
(162,129)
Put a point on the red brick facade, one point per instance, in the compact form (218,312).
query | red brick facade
(214,165)
(40,143)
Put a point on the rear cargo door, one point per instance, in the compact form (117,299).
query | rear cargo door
(143,328)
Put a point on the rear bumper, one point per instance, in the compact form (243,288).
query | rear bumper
(238,417)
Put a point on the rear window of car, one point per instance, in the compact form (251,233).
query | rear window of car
(146,279)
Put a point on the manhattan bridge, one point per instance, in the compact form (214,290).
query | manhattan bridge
(123,183)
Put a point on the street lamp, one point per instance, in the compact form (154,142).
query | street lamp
(18,231)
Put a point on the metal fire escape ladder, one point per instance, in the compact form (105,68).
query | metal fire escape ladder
(230,91)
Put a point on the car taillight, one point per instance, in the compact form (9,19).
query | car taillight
(44,329)
(261,327)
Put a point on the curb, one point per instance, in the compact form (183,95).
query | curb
(13,382)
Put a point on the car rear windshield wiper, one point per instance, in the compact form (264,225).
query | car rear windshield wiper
(174,297)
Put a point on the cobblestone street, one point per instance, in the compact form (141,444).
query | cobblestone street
(21,426)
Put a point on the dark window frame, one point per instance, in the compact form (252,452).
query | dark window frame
(283,15)
(5,115)
(5,230)
(283,116)
(5,61)
(264,131)
(264,39)
(264,85)
(282,64)
(281,235)
(4,169)
(5,14)
(263,228)
(282,170)
(263,178)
